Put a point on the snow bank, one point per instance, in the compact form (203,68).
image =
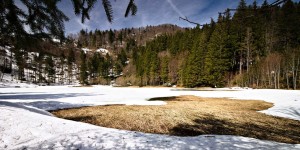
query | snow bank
(286,102)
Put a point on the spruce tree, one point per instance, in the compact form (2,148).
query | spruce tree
(217,61)
(193,74)
(44,19)
(83,69)
(111,36)
(50,70)
(154,68)
(70,61)
(20,61)
(164,70)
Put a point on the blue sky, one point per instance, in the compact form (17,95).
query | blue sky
(150,12)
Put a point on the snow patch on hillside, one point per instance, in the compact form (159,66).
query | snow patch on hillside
(31,72)
(56,40)
(86,50)
(102,50)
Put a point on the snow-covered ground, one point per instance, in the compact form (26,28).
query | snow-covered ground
(102,51)
(10,82)
(85,50)
(24,123)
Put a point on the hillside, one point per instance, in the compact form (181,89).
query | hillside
(256,46)
(59,62)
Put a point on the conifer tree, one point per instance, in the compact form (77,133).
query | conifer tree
(111,36)
(40,69)
(83,69)
(93,64)
(50,70)
(193,69)
(154,68)
(20,61)
(164,70)
(44,20)
(217,61)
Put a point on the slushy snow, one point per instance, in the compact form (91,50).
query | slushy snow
(25,123)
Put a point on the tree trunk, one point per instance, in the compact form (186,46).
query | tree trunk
(248,47)
(241,64)
(278,79)
(296,73)
(287,80)
(275,81)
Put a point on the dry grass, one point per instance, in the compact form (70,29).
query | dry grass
(191,116)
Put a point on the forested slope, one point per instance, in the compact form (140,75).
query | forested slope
(252,46)
(257,46)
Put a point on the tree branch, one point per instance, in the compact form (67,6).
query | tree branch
(186,19)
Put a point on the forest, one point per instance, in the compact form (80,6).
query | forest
(257,46)
(250,46)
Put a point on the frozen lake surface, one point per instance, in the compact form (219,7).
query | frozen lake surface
(25,123)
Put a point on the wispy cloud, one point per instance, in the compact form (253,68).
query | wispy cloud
(84,25)
(150,12)
(175,8)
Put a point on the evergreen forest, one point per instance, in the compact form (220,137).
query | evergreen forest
(257,46)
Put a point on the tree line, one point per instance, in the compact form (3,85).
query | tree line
(257,46)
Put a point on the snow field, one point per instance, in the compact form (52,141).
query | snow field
(24,123)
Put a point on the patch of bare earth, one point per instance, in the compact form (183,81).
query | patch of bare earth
(191,116)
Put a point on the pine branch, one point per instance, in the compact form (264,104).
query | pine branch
(77,7)
(131,8)
(108,10)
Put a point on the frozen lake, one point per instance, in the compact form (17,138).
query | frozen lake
(25,123)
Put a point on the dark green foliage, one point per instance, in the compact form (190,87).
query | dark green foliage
(50,70)
(164,70)
(108,10)
(40,62)
(44,19)
(233,50)
(93,65)
(111,36)
(257,46)
(20,61)
(120,37)
(71,57)
(217,61)
(131,8)
(122,58)
(130,45)
(193,72)
(118,68)
(83,69)
(154,69)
